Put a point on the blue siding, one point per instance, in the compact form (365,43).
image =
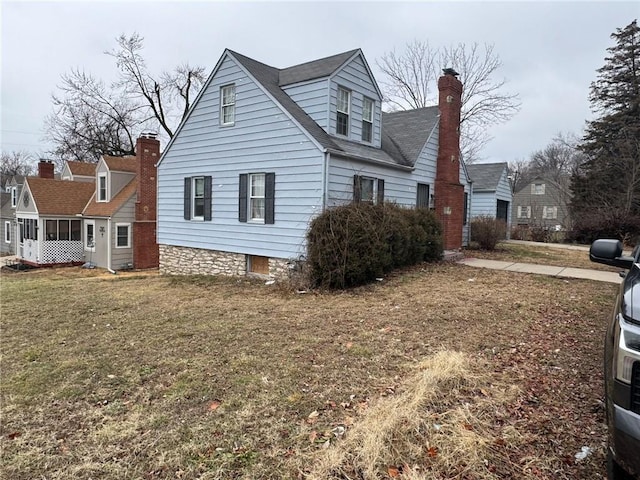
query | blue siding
(313,99)
(263,139)
(484,203)
(355,77)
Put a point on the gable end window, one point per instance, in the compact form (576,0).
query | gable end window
(228,105)
(368,189)
(367,120)
(343,108)
(123,235)
(14,197)
(197,198)
(256,199)
(537,189)
(102,187)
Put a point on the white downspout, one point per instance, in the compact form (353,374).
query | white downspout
(325,181)
(109,246)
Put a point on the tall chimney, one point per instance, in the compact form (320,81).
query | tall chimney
(145,247)
(45,169)
(449,192)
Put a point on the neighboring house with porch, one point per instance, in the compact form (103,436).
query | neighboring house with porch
(107,221)
(264,150)
(492,195)
(542,203)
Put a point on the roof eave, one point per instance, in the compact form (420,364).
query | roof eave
(343,154)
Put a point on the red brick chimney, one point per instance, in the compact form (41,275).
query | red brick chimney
(45,169)
(145,247)
(449,192)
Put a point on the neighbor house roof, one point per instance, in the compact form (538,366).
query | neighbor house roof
(121,164)
(60,197)
(486,176)
(82,169)
(108,209)
(398,148)
(320,68)
(5,199)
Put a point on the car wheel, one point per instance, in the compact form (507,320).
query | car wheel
(615,471)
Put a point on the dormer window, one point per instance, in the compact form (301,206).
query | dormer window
(102,187)
(228,105)
(343,108)
(367,119)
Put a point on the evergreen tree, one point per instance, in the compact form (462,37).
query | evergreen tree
(606,186)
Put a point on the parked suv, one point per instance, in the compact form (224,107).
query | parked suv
(622,363)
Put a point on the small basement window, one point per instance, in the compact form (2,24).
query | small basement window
(258,264)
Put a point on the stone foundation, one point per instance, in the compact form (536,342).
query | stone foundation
(197,261)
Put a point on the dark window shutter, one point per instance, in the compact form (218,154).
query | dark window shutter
(465,208)
(187,198)
(242,197)
(269,197)
(380,191)
(356,189)
(423,196)
(207,198)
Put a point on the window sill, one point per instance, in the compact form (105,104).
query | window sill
(224,125)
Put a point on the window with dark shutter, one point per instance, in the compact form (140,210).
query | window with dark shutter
(269,198)
(207,198)
(242,197)
(187,198)
(423,196)
(356,188)
(465,208)
(380,196)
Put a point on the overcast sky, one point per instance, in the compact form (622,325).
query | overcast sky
(550,51)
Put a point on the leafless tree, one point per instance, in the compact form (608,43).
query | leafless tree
(92,118)
(16,163)
(410,82)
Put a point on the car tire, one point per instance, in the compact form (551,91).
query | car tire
(615,471)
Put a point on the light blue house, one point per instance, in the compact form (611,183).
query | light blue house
(492,194)
(264,150)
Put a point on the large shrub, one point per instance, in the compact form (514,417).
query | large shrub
(354,244)
(487,231)
(604,224)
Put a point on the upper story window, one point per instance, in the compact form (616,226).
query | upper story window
(537,189)
(14,197)
(343,108)
(102,187)
(228,105)
(367,119)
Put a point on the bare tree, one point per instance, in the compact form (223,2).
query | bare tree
(16,163)
(411,78)
(519,173)
(92,118)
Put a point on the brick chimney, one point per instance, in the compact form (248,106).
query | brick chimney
(45,169)
(449,192)
(145,247)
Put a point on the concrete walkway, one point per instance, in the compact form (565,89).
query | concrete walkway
(560,272)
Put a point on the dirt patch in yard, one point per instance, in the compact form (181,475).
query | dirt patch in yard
(197,377)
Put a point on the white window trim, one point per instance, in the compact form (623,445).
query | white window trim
(550,212)
(14,197)
(198,218)
(7,232)
(374,190)
(128,225)
(367,120)
(85,235)
(250,196)
(534,190)
(106,188)
(347,113)
(526,209)
(223,105)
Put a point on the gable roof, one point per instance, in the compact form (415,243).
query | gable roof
(5,199)
(320,68)
(82,169)
(107,209)
(59,197)
(486,176)
(121,164)
(409,130)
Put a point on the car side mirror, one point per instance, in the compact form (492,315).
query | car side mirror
(609,252)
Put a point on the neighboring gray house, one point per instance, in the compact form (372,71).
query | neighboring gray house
(11,188)
(542,203)
(491,191)
(264,150)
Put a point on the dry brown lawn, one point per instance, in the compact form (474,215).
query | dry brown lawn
(438,372)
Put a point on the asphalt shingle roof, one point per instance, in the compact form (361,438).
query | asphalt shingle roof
(320,68)
(108,209)
(83,169)
(121,164)
(403,133)
(486,176)
(60,197)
